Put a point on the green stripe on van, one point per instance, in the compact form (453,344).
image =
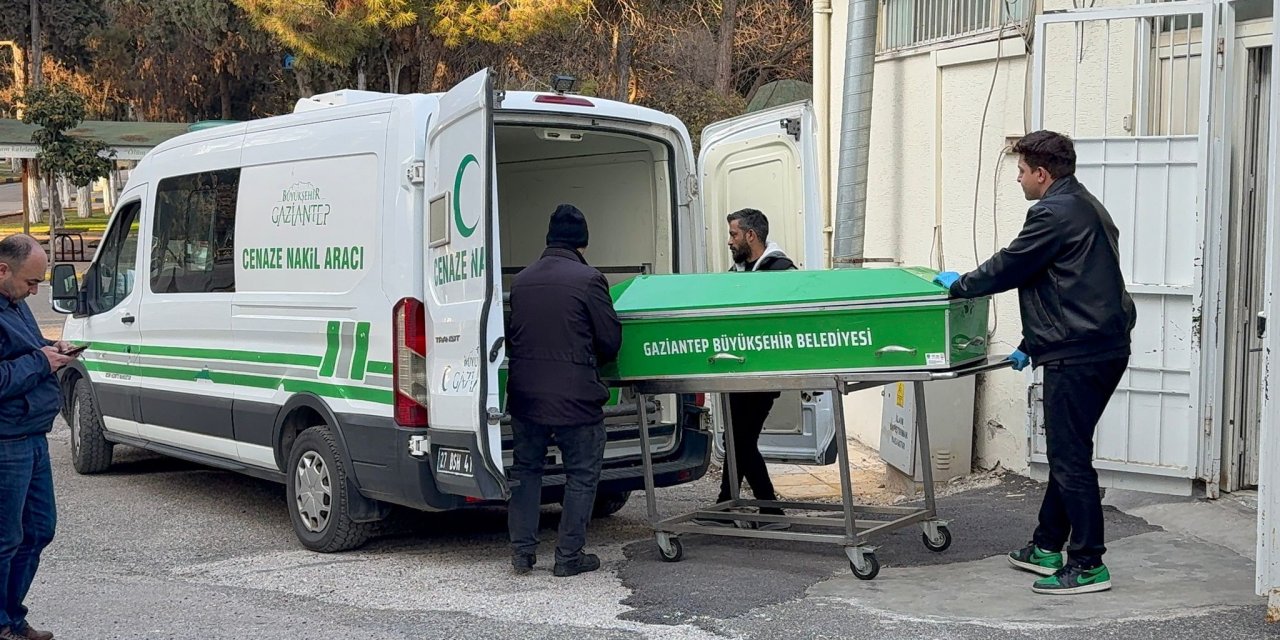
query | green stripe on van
(382,368)
(331,352)
(348,392)
(362,351)
(212,354)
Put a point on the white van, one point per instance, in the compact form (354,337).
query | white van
(323,298)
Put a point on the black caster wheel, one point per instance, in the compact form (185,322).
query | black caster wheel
(942,543)
(673,551)
(871,570)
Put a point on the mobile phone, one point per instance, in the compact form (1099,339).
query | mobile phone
(75,351)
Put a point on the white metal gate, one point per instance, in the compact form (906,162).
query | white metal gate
(1127,84)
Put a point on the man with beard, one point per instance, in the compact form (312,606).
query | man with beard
(752,251)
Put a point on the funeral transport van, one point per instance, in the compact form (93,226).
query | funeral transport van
(318,298)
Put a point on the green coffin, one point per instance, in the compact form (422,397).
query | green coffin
(782,322)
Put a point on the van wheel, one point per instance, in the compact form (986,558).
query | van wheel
(90,450)
(608,504)
(317,491)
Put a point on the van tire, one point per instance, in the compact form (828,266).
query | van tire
(90,449)
(324,480)
(608,504)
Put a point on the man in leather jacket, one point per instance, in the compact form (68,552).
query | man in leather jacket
(1076,324)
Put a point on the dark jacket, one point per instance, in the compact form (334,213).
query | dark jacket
(29,393)
(562,327)
(1065,264)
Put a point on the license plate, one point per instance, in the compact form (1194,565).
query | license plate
(454,461)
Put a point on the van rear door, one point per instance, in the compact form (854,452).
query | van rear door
(464,321)
(768,160)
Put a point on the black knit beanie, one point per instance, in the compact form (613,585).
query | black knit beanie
(568,228)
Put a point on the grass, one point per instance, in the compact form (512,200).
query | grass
(95,224)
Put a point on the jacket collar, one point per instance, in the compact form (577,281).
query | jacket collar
(1062,185)
(771,250)
(558,252)
(6,303)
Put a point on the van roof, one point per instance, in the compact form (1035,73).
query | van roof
(364,101)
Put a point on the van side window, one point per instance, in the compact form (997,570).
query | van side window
(110,280)
(193,243)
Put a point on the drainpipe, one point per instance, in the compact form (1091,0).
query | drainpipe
(821,110)
(855,135)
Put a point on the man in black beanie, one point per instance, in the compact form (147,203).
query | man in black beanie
(562,327)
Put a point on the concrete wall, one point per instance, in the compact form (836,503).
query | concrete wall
(925,147)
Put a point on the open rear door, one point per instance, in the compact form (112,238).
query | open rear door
(465,331)
(768,160)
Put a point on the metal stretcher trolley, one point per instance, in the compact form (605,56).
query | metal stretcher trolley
(838,331)
(851,525)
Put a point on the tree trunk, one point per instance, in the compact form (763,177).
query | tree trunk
(302,74)
(56,217)
(108,193)
(625,50)
(35,203)
(37,47)
(724,47)
(361,80)
(84,201)
(224,90)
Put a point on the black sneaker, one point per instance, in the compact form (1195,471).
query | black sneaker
(523,562)
(1071,580)
(585,563)
(1036,560)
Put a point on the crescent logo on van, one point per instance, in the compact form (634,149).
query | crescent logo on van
(465,230)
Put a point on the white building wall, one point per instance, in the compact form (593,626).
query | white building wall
(925,146)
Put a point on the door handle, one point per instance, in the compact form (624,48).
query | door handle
(127,318)
(726,356)
(893,348)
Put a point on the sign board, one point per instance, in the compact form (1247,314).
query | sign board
(898,427)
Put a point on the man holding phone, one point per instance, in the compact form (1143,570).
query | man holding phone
(29,400)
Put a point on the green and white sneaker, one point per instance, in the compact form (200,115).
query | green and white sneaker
(1071,580)
(1036,560)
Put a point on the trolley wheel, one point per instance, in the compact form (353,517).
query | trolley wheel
(943,541)
(672,551)
(870,571)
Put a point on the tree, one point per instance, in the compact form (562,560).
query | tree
(55,110)
(334,32)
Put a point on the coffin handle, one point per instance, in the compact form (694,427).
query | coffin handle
(893,348)
(726,356)
(976,341)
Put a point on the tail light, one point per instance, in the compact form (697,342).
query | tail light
(409,368)
(700,399)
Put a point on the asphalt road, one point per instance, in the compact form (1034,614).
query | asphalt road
(159,548)
(11,198)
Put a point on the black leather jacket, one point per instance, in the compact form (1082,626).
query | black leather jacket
(1065,264)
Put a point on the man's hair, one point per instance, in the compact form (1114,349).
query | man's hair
(1049,150)
(15,249)
(751,220)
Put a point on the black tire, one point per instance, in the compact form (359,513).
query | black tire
(608,504)
(873,568)
(941,546)
(326,526)
(90,449)
(676,554)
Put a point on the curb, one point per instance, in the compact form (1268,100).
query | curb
(10,180)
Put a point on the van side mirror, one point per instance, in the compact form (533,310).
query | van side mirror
(66,288)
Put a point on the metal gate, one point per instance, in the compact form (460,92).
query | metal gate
(1129,84)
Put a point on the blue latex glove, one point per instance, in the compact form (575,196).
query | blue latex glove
(946,278)
(1019,359)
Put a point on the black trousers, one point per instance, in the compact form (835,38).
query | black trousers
(1075,396)
(748,411)
(582,455)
